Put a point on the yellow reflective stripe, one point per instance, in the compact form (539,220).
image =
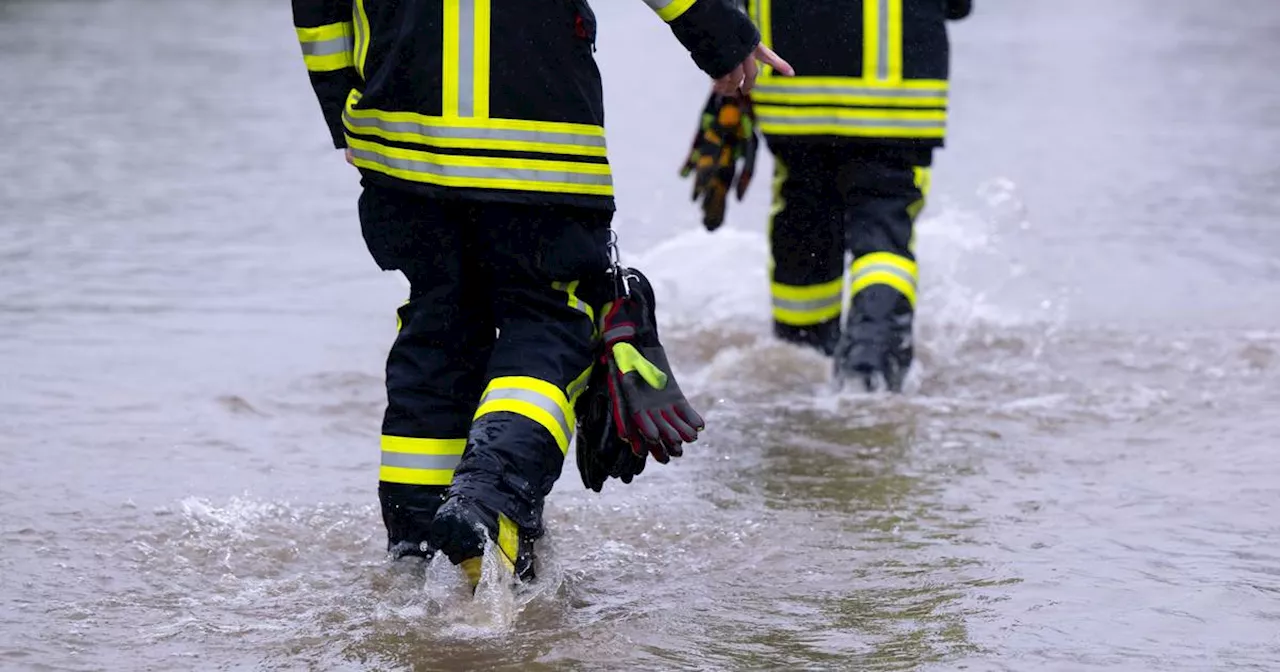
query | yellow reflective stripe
(362,36)
(415,476)
(670,10)
(579,385)
(449,72)
(508,541)
(779,120)
(466,58)
(851,91)
(571,288)
(416,446)
(469,133)
(764,22)
(326,48)
(480,87)
(416,461)
(325,33)
(886,278)
(328,62)
(885,268)
(893,40)
(483,172)
(871,39)
(807,305)
(923,179)
(804,82)
(534,399)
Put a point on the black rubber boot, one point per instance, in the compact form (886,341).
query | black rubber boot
(460,529)
(877,345)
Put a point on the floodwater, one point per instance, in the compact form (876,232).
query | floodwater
(1082,476)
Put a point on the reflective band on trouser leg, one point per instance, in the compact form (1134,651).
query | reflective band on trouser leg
(537,400)
(481,172)
(807,306)
(420,461)
(922,178)
(670,10)
(884,268)
(327,48)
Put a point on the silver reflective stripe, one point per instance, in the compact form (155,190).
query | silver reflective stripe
(884,268)
(529,396)
(658,5)
(882,69)
(483,172)
(450,132)
(337,45)
(853,123)
(466,58)
(577,386)
(837,90)
(581,306)
(416,461)
(619,332)
(810,306)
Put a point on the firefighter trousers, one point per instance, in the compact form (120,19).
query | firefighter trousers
(832,202)
(494,346)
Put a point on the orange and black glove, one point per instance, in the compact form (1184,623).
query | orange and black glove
(726,136)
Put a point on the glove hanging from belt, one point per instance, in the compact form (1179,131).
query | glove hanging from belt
(633,406)
(726,136)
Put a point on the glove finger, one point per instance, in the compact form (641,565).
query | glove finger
(659,452)
(645,425)
(690,415)
(676,450)
(683,429)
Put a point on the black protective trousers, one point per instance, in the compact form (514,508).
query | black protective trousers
(494,346)
(833,200)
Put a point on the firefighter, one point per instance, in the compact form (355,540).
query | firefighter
(853,136)
(477,129)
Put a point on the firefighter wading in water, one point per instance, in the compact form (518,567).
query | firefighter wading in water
(853,137)
(477,128)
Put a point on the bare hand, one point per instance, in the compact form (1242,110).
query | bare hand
(743,77)
(351,156)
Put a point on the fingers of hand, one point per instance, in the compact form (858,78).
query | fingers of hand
(749,71)
(768,57)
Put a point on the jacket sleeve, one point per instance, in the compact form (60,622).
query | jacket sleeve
(717,34)
(959,9)
(326,34)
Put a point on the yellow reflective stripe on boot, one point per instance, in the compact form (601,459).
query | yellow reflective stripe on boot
(805,306)
(884,268)
(415,461)
(327,48)
(670,10)
(508,542)
(534,399)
